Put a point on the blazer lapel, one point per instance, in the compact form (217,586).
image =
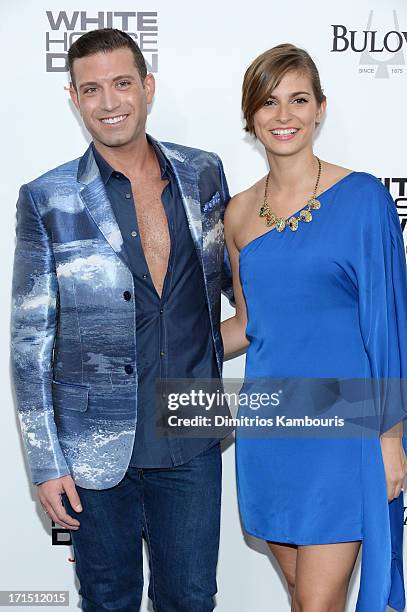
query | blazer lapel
(94,197)
(186,176)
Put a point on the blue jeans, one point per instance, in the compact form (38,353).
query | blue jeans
(177,511)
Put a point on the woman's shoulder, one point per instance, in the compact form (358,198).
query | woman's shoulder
(371,194)
(353,178)
(360,186)
(242,203)
(333,175)
(367,181)
(374,205)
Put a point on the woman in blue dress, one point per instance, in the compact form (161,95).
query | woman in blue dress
(319,278)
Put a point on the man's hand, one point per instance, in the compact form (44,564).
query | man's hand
(49,495)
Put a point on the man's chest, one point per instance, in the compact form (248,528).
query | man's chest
(153,214)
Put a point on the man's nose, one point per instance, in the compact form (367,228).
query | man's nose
(110,99)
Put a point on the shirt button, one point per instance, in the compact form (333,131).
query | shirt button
(161,310)
(134,233)
(162,353)
(127,295)
(128,369)
(145,275)
(127,196)
(117,175)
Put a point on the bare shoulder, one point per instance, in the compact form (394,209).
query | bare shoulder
(241,205)
(331,174)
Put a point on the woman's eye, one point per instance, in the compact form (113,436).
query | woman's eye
(300,100)
(269,102)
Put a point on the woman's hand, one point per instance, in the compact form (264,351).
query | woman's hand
(394,459)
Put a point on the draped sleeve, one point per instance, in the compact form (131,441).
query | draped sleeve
(381,278)
(382,288)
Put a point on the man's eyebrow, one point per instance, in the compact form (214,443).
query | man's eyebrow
(87,84)
(123,76)
(116,78)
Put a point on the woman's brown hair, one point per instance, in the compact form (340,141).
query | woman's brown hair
(265,73)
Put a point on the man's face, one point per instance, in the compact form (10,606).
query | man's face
(111,97)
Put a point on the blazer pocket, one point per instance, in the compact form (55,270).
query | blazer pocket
(67,396)
(211,204)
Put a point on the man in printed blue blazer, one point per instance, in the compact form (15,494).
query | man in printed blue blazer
(119,268)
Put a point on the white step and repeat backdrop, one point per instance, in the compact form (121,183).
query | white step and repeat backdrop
(199,52)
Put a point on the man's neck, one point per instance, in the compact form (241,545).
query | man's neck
(133,160)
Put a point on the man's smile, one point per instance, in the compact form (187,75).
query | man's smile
(114,119)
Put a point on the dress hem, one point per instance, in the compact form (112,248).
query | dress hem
(280,540)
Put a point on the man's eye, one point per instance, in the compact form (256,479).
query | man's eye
(123,84)
(90,90)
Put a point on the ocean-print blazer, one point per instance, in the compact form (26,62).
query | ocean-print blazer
(73,349)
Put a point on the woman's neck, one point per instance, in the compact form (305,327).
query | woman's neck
(292,173)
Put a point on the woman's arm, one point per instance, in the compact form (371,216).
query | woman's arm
(394,459)
(234,329)
(382,286)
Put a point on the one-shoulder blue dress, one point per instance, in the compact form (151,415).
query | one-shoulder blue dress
(329,300)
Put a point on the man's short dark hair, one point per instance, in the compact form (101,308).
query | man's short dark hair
(104,41)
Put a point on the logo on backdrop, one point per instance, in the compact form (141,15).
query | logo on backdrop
(381,51)
(64,27)
(60,536)
(398,189)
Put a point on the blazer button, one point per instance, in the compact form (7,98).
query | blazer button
(127,295)
(128,369)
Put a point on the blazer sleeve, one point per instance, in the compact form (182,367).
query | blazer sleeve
(33,327)
(227,285)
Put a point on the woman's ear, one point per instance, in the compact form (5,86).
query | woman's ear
(320,112)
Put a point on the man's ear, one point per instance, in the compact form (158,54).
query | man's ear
(149,86)
(74,95)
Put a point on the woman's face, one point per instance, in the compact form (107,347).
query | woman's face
(286,123)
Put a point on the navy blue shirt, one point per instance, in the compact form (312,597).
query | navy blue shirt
(173,333)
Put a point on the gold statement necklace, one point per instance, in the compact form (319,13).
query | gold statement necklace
(305,214)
